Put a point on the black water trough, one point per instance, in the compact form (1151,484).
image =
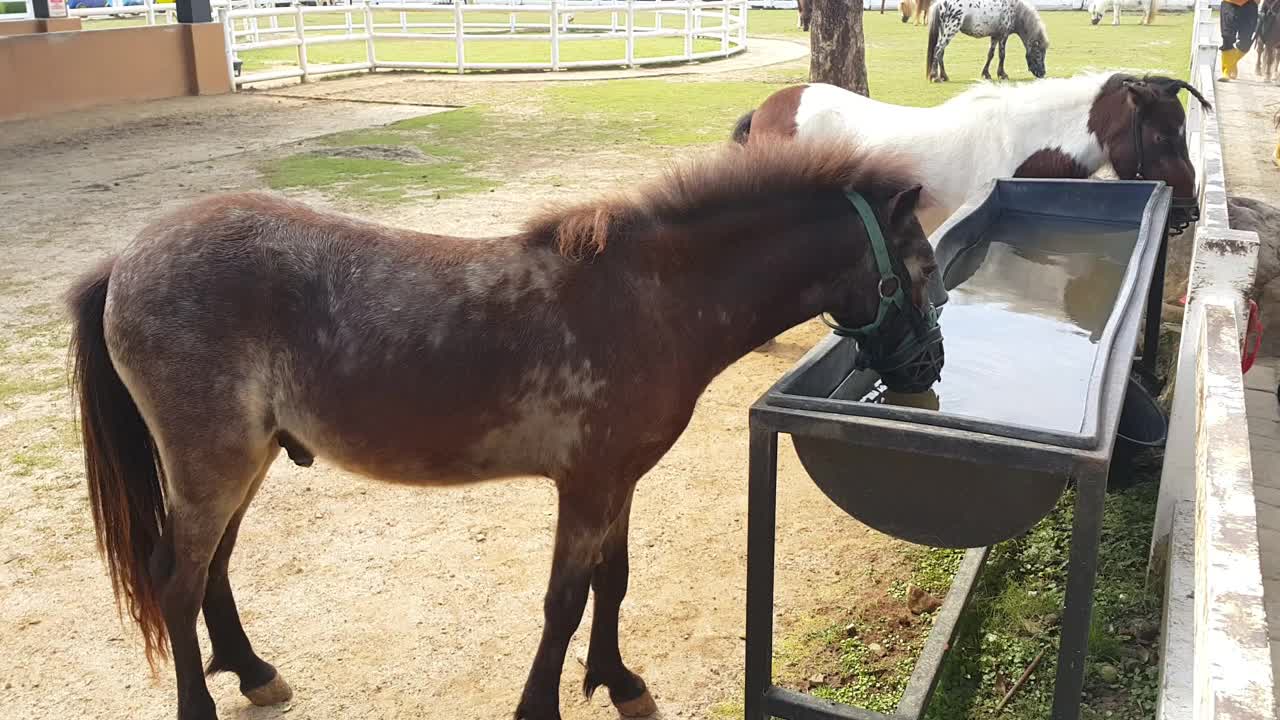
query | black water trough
(1047,281)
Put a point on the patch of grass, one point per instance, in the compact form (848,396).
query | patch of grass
(656,112)
(370,179)
(37,445)
(426,156)
(1016,610)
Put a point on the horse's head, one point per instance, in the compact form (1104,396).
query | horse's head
(1148,138)
(1095,12)
(805,8)
(1037,48)
(885,303)
(908,8)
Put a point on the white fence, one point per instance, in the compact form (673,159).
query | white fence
(1215,656)
(706,29)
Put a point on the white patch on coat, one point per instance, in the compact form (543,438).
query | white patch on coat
(963,144)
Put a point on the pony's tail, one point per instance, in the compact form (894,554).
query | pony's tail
(126,482)
(742,130)
(933,46)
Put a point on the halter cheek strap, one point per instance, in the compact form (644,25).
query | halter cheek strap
(892,293)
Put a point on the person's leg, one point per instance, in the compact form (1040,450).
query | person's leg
(1228,16)
(1246,24)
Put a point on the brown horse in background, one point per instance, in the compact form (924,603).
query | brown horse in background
(1267,40)
(917,8)
(575,349)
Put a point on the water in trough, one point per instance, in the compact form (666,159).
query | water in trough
(1027,308)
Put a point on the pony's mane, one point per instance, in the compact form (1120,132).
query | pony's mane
(1030,19)
(1063,92)
(1037,93)
(734,177)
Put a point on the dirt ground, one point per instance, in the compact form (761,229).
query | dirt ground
(375,601)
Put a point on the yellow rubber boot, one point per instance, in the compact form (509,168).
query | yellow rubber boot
(1230,61)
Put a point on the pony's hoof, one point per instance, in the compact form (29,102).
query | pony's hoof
(274,692)
(643,706)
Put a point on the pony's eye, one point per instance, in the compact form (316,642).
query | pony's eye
(1161,139)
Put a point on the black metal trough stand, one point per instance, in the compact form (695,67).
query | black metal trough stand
(969,469)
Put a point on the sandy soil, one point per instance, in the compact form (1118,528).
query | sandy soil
(375,601)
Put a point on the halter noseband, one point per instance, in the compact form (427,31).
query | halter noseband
(914,363)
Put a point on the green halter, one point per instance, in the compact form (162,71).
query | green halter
(913,361)
(892,293)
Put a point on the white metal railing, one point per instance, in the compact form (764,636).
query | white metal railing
(1215,657)
(249,27)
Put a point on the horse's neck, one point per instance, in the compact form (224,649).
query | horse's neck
(734,286)
(1052,117)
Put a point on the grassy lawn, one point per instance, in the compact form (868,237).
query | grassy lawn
(532,121)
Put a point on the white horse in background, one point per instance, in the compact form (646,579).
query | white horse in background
(1097,8)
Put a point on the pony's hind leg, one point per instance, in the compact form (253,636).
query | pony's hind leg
(232,651)
(604,659)
(1000,73)
(584,518)
(206,491)
(991,52)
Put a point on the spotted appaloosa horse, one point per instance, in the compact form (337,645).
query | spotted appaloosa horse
(1098,8)
(574,349)
(1060,128)
(996,19)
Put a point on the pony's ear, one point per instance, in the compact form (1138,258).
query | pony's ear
(902,207)
(1141,93)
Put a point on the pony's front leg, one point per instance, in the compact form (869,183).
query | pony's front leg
(991,52)
(1000,73)
(604,659)
(580,532)
(1115,12)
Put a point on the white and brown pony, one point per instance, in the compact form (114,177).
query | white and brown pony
(574,349)
(1098,8)
(995,19)
(1059,128)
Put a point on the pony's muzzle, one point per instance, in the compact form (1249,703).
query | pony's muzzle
(1183,212)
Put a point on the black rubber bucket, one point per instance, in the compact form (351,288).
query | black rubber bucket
(1143,427)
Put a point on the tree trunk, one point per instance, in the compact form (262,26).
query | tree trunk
(837,50)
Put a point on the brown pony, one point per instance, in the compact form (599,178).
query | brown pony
(1267,39)
(575,350)
(805,10)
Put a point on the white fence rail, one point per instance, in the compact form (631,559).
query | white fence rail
(719,26)
(1215,659)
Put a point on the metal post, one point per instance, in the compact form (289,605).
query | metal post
(762,507)
(194,11)
(299,28)
(1082,570)
(688,30)
(631,33)
(555,35)
(368,37)
(458,35)
(1155,307)
(724,27)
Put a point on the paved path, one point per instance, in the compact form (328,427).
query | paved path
(1245,112)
